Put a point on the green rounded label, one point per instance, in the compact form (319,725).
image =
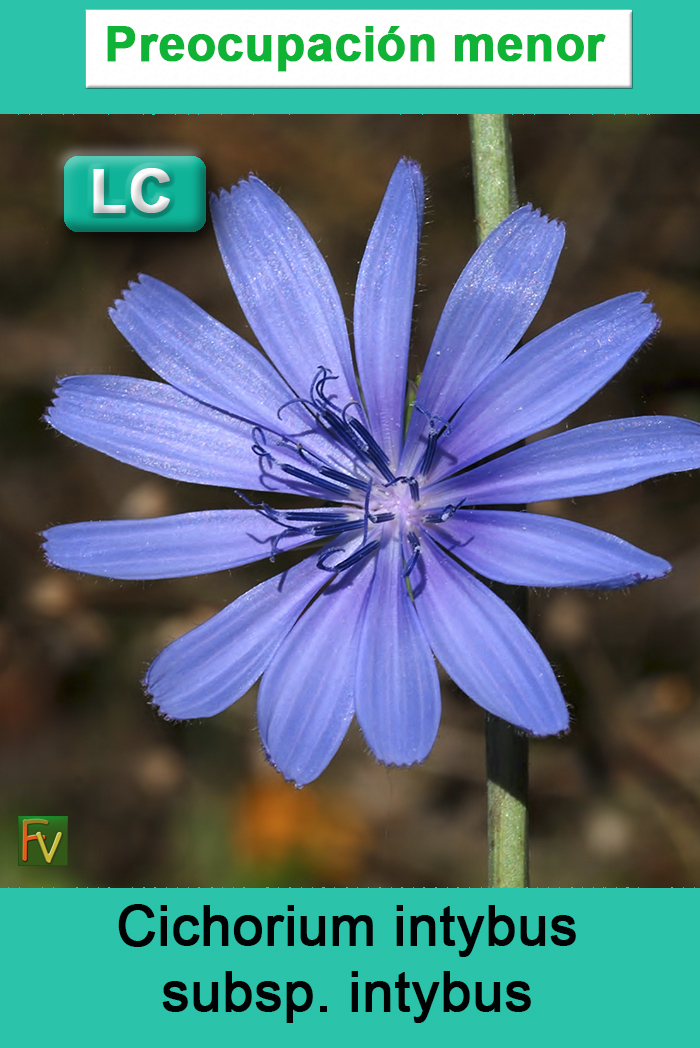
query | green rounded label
(145,194)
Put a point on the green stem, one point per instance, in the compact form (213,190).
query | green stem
(506,749)
(492,167)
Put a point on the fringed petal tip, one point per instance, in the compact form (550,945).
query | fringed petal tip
(249,191)
(554,721)
(56,395)
(156,701)
(656,319)
(530,733)
(169,718)
(529,213)
(156,708)
(415,175)
(298,783)
(645,305)
(400,757)
(219,195)
(133,290)
(633,579)
(530,221)
(407,763)
(45,547)
(251,181)
(564,729)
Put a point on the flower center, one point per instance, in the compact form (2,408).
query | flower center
(373,494)
(398,500)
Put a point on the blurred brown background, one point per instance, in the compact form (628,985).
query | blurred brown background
(615,803)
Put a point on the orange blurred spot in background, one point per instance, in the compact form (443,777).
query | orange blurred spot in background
(278,827)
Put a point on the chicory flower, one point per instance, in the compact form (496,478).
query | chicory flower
(355,628)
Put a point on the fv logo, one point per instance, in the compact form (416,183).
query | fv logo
(42,840)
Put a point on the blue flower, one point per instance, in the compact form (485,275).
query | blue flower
(353,629)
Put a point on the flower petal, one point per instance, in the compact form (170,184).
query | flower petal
(166,547)
(490,308)
(484,646)
(529,549)
(284,287)
(155,427)
(601,457)
(197,354)
(158,428)
(548,378)
(306,697)
(397,693)
(384,305)
(211,667)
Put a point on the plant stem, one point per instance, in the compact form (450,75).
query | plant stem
(506,748)
(492,167)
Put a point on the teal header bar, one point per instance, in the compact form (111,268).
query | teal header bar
(476,966)
(44,71)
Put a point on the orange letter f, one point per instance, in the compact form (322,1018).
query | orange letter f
(26,838)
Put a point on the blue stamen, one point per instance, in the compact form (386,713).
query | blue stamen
(345,478)
(434,434)
(343,431)
(348,431)
(439,516)
(317,516)
(274,549)
(296,400)
(259,447)
(412,484)
(312,458)
(324,530)
(432,419)
(318,482)
(354,558)
(415,553)
(366,512)
(429,453)
(319,382)
(374,452)
(262,508)
(350,404)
